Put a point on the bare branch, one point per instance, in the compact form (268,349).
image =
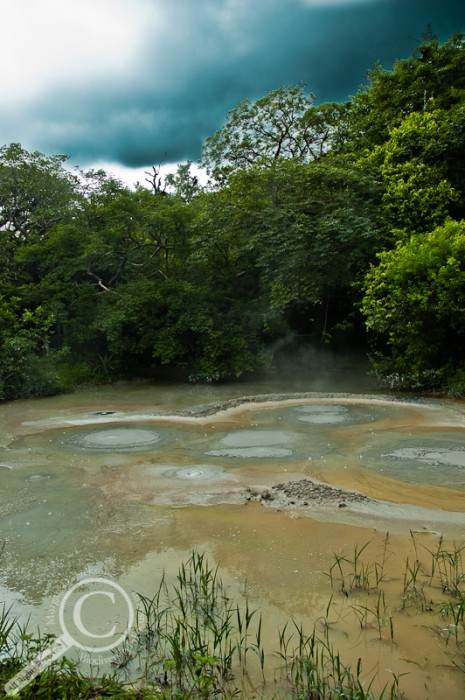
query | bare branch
(155,180)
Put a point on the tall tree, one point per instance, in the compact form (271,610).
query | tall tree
(35,192)
(434,71)
(284,124)
(415,304)
(422,170)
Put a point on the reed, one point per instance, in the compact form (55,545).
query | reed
(451,631)
(442,572)
(315,670)
(353,573)
(413,588)
(7,625)
(447,567)
(380,566)
(62,680)
(192,638)
(375,614)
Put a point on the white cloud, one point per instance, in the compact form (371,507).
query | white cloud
(333,3)
(53,41)
(131,176)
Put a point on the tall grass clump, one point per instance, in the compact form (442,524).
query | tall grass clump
(192,639)
(314,669)
(354,573)
(447,573)
(61,680)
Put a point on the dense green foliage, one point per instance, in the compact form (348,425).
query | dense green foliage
(416,297)
(320,223)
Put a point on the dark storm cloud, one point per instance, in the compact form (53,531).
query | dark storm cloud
(213,54)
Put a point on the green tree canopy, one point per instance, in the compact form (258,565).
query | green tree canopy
(434,71)
(415,303)
(35,192)
(284,124)
(118,281)
(418,166)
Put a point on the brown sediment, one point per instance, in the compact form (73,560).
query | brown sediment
(382,488)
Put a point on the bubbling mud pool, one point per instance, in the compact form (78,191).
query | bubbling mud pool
(126,482)
(119,439)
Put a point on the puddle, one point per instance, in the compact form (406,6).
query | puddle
(252,452)
(196,472)
(435,458)
(255,444)
(323,414)
(446,456)
(38,477)
(119,439)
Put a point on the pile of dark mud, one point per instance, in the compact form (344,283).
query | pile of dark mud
(305,492)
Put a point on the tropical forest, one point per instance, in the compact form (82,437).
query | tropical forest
(337,225)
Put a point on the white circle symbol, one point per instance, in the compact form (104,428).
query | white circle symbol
(100,587)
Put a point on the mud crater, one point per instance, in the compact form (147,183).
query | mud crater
(114,439)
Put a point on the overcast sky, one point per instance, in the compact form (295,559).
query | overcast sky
(136,82)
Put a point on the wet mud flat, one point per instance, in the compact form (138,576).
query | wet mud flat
(406,484)
(335,450)
(271,486)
